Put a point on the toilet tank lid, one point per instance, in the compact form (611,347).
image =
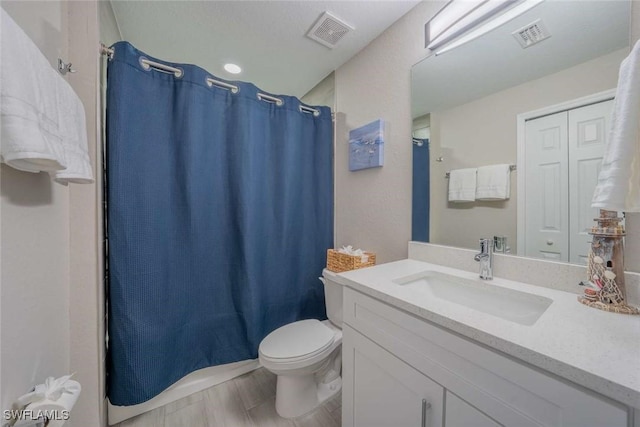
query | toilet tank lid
(328,274)
(297,339)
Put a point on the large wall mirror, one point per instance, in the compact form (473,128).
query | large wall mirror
(543,109)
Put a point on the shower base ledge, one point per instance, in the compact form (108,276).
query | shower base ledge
(199,380)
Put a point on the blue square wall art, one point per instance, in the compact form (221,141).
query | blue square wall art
(366,146)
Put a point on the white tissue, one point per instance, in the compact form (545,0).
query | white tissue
(55,396)
(356,252)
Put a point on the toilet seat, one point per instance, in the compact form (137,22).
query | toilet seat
(297,341)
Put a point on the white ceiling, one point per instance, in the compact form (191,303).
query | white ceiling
(266,38)
(580,31)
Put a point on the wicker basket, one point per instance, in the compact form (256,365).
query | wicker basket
(338,262)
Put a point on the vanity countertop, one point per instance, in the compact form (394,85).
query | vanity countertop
(596,349)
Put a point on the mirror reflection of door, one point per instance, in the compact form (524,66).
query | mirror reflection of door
(563,158)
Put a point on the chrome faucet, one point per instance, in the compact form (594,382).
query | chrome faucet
(485,258)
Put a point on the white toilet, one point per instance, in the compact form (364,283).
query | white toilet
(306,356)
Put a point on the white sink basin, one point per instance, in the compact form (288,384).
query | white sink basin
(508,304)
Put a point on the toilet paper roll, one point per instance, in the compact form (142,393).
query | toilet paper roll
(58,411)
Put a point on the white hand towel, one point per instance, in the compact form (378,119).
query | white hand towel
(73,132)
(494,182)
(28,99)
(462,185)
(618,187)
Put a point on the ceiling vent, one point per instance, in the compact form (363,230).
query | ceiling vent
(328,30)
(531,34)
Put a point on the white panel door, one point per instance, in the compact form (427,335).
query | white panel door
(588,133)
(459,413)
(546,188)
(380,390)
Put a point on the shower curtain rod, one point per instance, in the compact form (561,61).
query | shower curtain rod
(107,51)
(148,64)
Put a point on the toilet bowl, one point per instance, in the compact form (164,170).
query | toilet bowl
(306,356)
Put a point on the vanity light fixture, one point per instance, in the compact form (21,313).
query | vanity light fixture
(459,16)
(474,23)
(232,68)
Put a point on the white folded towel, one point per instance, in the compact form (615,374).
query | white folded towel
(494,182)
(462,185)
(618,187)
(28,103)
(73,132)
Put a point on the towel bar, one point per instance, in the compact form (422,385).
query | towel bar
(511,168)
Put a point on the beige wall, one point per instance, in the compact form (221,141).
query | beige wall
(483,132)
(34,282)
(324,93)
(86,299)
(50,289)
(373,206)
(109,30)
(421,122)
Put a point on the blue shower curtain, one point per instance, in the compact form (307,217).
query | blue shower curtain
(220,212)
(420,191)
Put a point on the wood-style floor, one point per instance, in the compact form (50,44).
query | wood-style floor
(246,401)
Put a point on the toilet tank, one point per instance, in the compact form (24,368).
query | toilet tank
(333,297)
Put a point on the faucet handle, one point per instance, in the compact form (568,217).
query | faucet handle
(500,244)
(484,250)
(485,245)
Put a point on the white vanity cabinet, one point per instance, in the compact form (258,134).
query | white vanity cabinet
(393,360)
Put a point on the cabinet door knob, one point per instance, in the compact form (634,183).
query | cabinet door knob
(549,242)
(425,407)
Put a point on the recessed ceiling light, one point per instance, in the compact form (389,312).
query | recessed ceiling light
(233,68)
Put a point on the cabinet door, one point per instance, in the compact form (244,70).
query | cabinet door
(460,414)
(379,390)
